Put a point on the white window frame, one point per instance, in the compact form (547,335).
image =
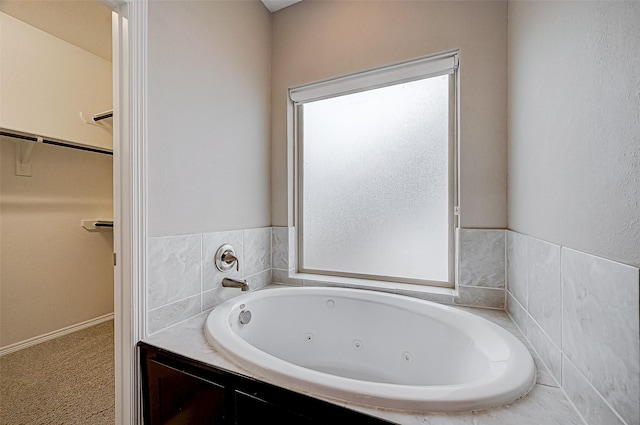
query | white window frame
(441,64)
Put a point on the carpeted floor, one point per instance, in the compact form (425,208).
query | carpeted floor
(68,380)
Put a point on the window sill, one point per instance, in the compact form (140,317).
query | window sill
(431,293)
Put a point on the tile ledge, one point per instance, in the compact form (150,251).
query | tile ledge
(393,287)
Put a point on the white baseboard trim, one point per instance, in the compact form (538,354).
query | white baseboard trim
(55,334)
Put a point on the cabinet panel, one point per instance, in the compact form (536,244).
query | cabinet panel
(253,410)
(178,398)
(178,390)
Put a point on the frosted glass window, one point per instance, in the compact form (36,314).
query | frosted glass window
(375,179)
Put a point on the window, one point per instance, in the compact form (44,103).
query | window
(376,173)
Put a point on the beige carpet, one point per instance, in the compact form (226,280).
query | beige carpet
(68,380)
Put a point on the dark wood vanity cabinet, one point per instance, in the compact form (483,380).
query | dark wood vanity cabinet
(180,391)
(182,398)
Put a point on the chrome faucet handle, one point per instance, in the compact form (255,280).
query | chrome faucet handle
(229,258)
(225,258)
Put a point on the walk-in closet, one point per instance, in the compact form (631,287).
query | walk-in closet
(56,212)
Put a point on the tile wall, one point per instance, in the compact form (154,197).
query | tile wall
(481,268)
(183,280)
(481,273)
(581,315)
(579,312)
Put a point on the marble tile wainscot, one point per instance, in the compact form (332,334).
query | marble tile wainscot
(581,314)
(578,312)
(481,281)
(184,281)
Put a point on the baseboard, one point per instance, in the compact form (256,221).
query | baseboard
(55,334)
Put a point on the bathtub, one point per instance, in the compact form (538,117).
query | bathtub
(372,348)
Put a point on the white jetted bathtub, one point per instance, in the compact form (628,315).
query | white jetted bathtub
(372,348)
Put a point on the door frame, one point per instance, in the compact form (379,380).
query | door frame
(129,42)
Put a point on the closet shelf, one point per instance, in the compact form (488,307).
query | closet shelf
(30,137)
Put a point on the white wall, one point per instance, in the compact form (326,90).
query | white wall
(45,83)
(315,40)
(53,272)
(209,120)
(574,125)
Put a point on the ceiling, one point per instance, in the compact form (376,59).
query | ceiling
(274,5)
(85,23)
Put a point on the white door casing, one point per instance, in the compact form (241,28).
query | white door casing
(129,25)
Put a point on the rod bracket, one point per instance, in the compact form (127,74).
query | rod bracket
(97,224)
(23,157)
(97,119)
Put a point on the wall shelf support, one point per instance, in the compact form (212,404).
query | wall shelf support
(23,157)
(97,224)
(96,119)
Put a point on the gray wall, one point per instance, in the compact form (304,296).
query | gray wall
(574,197)
(574,125)
(209,119)
(315,40)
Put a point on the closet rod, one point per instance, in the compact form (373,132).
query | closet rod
(99,224)
(103,116)
(49,141)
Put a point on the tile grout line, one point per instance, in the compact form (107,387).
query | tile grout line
(174,302)
(559,385)
(506,259)
(537,326)
(201,271)
(563,355)
(202,291)
(590,384)
(562,319)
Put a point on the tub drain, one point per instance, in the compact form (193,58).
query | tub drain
(357,344)
(308,337)
(407,357)
(245,317)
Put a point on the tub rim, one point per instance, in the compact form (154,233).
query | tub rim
(515,381)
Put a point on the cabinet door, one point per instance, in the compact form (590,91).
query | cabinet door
(253,410)
(178,398)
